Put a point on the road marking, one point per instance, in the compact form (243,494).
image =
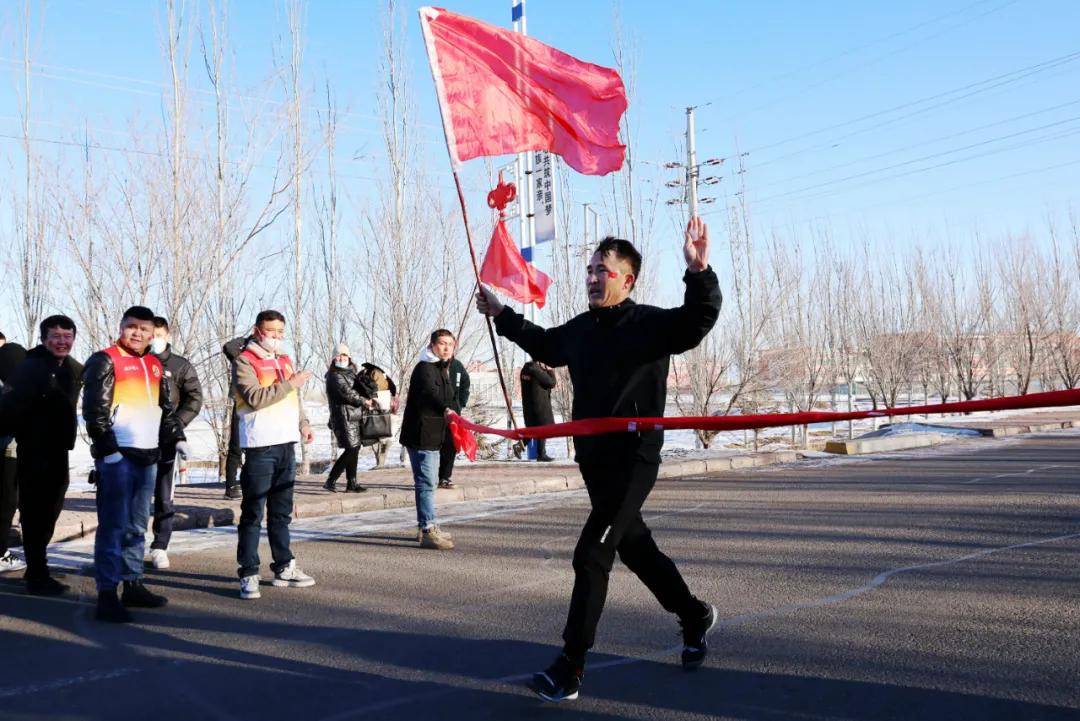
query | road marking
(1028,472)
(90,677)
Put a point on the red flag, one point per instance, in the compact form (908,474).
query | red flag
(502,92)
(464,439)
(504,268)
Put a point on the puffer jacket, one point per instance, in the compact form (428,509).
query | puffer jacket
(346,391)
(184,385)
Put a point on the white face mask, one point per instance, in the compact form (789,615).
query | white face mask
(342,364)
(158,345)
(271,344)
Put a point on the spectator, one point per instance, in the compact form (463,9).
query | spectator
(186,397)
(422,431)
(11,355)
(385,386)
(128,411)
(271,420)
(349,393)
(235,456)
(537,382)
(41,411)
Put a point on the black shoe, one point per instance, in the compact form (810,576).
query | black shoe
(234,492)
(545,459)
(446,483)
(695,638)
(110,609)
(330,485)
(136,595)
(560,682)
(354,487)
(46,586)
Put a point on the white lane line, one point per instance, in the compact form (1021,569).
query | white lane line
(1028,472)
(90,677)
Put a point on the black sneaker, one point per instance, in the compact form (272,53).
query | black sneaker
(47,586)
(560,682)
(136,595)
(355,487)
(695,638)
(234,492)
(110,609)
(330,485)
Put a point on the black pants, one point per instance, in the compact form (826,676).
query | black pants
(541,448)
(447,454)
(267,479)
(235,456)
(163,498)
(345,463)
(43,481)
(9,498)
(617,492)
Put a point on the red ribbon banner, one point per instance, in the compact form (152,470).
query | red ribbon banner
(595,426)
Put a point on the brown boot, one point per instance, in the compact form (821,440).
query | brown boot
(435,539)
(443,533)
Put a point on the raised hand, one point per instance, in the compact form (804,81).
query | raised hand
(696,247)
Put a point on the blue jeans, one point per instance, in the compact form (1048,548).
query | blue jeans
(266,479)
(124,493)
(425,469)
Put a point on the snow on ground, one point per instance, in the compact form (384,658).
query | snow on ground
(677,444)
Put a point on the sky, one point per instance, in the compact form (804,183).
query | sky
(896,121)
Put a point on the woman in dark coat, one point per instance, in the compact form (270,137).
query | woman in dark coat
(537,381)
(349,394)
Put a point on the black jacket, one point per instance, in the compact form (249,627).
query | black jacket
(618,360)
(11,355)
(430,394)
(184,386)
(99,381)
(346,391)
(459,379)
(234,348)
(39,406)
(536,385)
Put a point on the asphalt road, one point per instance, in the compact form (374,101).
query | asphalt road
(942,584)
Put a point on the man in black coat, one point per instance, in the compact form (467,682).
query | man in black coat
(235,456)
(459,379)
(423,427)
(186,395)
(618,355)
(11,355)
(41,410)
(537,382)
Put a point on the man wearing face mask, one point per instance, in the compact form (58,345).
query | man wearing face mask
(129,414)
(271,421)
(186,395)
(618,354)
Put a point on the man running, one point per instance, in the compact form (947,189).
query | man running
(618,353)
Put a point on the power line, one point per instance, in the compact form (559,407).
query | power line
(976,156)
(921,159)
(991,83)
(876,60)
(922,143)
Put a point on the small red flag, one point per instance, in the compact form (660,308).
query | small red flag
(504,268)
(464,439)
(502,92)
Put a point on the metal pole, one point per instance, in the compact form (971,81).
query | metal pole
(691,164)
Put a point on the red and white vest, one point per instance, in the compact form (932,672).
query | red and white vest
(274,424)
(136,413)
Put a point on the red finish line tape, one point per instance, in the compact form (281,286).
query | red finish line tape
(460,427)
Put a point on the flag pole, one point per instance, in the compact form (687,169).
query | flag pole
(487,318)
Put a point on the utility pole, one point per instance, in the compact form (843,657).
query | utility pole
(691,163)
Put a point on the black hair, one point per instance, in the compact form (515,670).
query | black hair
(160,322)
(439,334)
(266,315)
(623,250)
(138,312)
(56,321)
(3,337)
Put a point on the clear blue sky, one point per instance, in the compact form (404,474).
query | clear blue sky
(765,73)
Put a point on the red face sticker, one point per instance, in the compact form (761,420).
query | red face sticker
(612,274)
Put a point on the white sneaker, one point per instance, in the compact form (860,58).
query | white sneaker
(292,577)
(159,559)
(249,587)
(11,562)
